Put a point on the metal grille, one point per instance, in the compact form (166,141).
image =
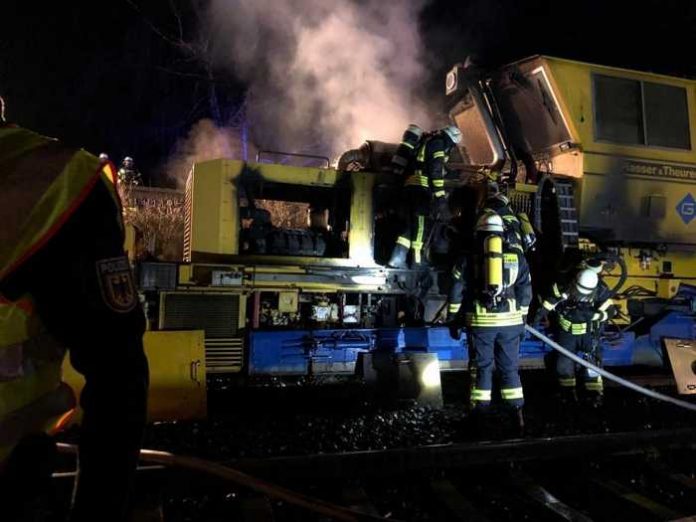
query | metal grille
(567,213)
(224,355)
(188,218)
(521,201)
(217,314)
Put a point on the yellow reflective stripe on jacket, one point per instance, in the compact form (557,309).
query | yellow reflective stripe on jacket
(567,382)
(494,319)
(417,179)
(439,154)
(454,307)
(600,316)
(605,305)
(403,241)
(437,183)
(573,328)
(482,317)
(510,394)
(548,305)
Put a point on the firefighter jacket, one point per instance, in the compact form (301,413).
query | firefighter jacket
(429,168)
(518,228)
(579,314)
(498,284)
(42,183)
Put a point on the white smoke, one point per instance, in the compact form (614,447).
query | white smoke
(322,75)
(205,141)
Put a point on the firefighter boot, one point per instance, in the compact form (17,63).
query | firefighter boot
(514,423)
(398,257)
(518,422)
(568,397)
(593,399)
(478,425)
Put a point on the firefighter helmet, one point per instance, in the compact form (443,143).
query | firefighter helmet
(593,264)
(453,133)
(586,281)
(415,130)
(502,198)
(490,222)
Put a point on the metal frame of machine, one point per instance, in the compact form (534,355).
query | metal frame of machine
(303,314)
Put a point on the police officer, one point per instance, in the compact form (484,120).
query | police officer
(495,312)
(128,174)
(66,282)
(579,309)
(425,180)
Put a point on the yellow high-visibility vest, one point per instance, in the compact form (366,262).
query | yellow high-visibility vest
(42,183)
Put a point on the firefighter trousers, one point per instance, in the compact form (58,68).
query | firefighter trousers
(566,369)
(415,207)
(496,348)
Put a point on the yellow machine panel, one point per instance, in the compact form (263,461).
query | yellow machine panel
(177,375)
(214,225)
(635,177)
(212,229)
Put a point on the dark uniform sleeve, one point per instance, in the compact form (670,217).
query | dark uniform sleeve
(523,286)
(553,297)
(458,288)
(82,284)
(85,295)
(604,306)
(435,165)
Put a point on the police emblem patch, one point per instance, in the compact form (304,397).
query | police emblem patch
(116,284)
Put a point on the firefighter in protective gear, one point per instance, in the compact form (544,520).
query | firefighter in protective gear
(578,311)
(65,282)
(496,307)
(518,232)
(128,174)
(405,152)
(424,181)
(518,228)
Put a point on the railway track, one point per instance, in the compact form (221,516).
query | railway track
(638,476)
(634,459)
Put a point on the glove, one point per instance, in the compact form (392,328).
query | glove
(455,331)
(454,323)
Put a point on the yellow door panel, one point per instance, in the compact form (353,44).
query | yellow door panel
(177,375)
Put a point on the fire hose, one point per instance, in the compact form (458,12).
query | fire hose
(623,382)
(238,477)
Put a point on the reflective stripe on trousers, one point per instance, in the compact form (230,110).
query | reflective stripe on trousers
(497,347)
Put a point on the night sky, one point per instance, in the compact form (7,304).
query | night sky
(110,76)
